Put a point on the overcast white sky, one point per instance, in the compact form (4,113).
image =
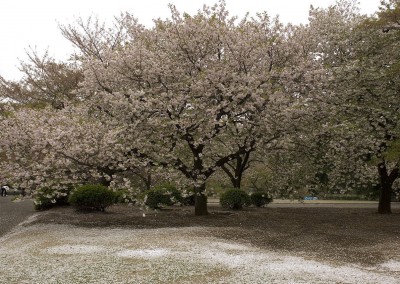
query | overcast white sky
(25,23)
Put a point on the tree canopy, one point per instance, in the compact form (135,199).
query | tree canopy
(205,94)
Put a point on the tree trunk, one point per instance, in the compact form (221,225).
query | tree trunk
(237,182)
(385,195)
(237,172)
(200,203)
(148,182)
(386,182)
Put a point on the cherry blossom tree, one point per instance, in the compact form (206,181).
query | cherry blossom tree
(358,95)
(60,148)
(374,76)
(201,93)
(194,92)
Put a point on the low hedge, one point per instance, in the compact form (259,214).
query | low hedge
(260,199)
(123,196)
(345,197)
(234,199)
(163,195)
(95,197)
(47,197)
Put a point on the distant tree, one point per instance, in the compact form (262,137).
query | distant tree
(44,82)
(389,15)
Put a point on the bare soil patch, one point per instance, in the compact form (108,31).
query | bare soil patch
(336,235)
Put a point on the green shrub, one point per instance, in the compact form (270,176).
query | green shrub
(234,199)
(188,197)
(47,197)
(260,199)
(345,197)
(189,200)
(124,196)
(96,197)
(163,195)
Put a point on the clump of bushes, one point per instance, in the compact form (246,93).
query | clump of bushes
(260,199)
(163,195)
(234,199)
(47,197)
(123,196)
(96,197)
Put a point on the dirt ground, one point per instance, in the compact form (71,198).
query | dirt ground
(335,235)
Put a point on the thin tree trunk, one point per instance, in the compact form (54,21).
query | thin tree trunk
(237,171)
(200,205)
(148,182)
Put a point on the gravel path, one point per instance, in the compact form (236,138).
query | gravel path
(13,212)
(50,253)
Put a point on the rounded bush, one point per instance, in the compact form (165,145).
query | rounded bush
(234,199)
(96,197)
(124,196)
(47,197)
(260,199)
(164,195)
